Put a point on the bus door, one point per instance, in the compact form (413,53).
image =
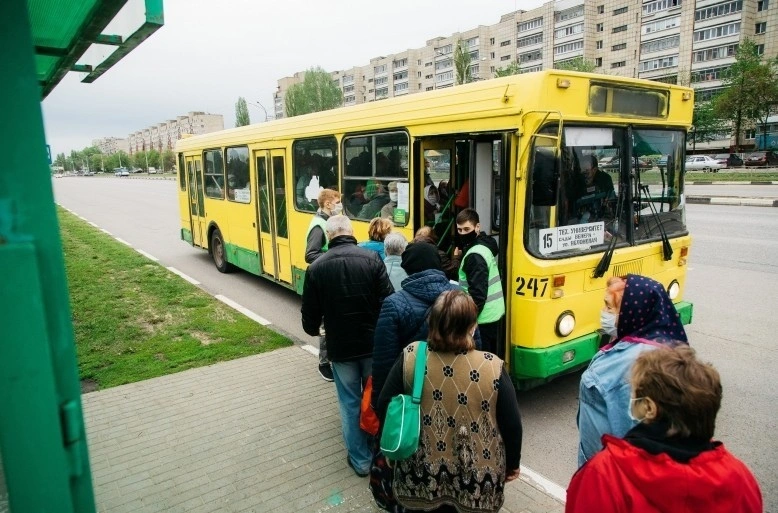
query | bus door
(196,208)
(274,252)
(439,188)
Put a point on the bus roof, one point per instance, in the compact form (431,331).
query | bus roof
(500,97)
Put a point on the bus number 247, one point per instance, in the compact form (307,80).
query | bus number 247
(535,285)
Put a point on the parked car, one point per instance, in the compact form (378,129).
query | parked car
(703,163)
(612,164)
(762,158)
(729,159)
(121,171)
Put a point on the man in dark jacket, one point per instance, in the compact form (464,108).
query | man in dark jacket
(316,244)
(403,317)
(346,287)
(479,276)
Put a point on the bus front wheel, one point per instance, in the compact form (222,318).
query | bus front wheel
(218,252)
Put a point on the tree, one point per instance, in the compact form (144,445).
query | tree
(749,87)
(168,160)
(242,112)
(577,64)
(317,92)
(705,124)
(462,59)
(510,69)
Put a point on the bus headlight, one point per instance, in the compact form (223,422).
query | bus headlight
(673,289)
(565,323)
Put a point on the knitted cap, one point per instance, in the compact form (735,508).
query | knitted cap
(420,256)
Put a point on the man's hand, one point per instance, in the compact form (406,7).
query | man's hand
(510,475)
(457,252)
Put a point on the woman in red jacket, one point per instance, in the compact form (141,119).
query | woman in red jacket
(668,462)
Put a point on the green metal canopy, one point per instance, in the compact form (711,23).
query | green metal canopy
(62,30)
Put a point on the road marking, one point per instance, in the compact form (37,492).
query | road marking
(150,257)
(242,309)
(313,350)
(543,484)
(184,276)
(93,224)
(123,241)
(106,231)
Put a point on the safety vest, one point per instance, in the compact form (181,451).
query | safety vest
(317,220)
(494,307)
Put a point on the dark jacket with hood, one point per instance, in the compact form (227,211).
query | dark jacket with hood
(403,320)
(477,271)
(346,286)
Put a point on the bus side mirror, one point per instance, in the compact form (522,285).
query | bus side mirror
(545,177)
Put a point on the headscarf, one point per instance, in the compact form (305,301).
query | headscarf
(647,312)
(420,256)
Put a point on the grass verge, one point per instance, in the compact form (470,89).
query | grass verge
(135,320)
(733,176)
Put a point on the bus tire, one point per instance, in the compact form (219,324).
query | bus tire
(218,253)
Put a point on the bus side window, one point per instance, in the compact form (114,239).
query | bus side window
(314,167)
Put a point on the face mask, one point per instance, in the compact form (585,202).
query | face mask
(608,322)
(392,196)
(465,239)
(629,409)
(337,209)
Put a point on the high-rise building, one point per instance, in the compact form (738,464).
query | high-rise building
(111,145)
(163,136)
(675,41)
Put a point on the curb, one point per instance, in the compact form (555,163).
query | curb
(732,201)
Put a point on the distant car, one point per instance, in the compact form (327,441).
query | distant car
(122,172)
(729,159)
(152,171)
(88,173)
(703,163)
(613,163)
(58,175)
(762,158)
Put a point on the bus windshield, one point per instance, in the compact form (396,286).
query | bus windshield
(581,199)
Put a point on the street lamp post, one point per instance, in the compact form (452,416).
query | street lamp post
(260,106)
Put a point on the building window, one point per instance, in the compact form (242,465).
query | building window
(658,45)
(760,28)
(619,64)
(659,5)
(379,69)
(401,87)
(707,75)
(662,62)
(530,40)
(761,5)
(570,30)
(598,62)
(473,41)
(600,27)
(729,29)
(659,25)
(381,81)
(568,47)
(598,45)
(620,46)
(400,75)
(531,69)
(505,43)
(600,9)
(760,49)
(442,77)
(491,55)
(491,40)
(712,54)
(382,92)
(621,28)
(704,95)
(401,63)
(569,14)
(505,57)
(531,24)
(349,99)
(348,89)
(620,10)
(534,55)
(446,63)
(717,10)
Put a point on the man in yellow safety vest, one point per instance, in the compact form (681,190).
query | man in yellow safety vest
(480,277)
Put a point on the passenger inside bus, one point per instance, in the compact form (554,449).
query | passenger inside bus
(594,194)
(377,196)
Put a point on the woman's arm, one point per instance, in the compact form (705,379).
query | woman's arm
(509,423)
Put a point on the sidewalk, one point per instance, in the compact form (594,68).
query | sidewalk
(257,434)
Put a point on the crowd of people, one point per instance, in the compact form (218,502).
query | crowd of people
(647,405)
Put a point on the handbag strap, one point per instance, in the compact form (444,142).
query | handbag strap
(418,372)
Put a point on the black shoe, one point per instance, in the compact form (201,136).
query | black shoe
(325,371)
(357,472)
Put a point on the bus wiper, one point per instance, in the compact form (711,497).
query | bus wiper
(605,261)
(667,250)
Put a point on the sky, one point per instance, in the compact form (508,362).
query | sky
(210,52)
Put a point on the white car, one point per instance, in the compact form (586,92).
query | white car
(703,163)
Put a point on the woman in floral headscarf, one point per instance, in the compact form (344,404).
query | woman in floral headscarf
(639,316)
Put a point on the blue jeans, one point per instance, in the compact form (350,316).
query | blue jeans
(349,377)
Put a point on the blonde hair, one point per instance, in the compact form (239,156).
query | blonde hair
(326,195)
(379,228)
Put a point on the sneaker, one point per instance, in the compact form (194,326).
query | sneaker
(357,472)
(325,371)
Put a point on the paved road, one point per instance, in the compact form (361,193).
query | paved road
(742,191)
(732,278)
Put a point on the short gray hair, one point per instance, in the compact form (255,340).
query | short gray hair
(339,225)
(394,243)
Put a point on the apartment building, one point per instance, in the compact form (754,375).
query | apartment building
(676,41)
(111,145)
(163,136)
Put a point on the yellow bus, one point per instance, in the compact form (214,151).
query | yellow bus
(513,148)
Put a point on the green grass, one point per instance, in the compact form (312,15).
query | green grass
(135,320)
(652,177)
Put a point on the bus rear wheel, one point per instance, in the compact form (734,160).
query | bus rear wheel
(218,252)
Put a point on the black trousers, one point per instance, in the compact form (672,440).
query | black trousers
(490,337)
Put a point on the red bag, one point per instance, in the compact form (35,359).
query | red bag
(368,420)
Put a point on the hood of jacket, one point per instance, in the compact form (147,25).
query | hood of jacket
(487,241)
(427,285)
